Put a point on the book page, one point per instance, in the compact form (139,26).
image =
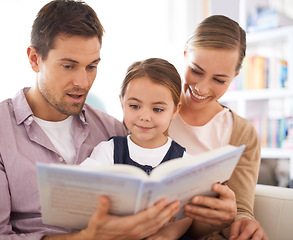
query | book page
(168,167)
(69,197)
(69,194)
(124,169)
(197,179)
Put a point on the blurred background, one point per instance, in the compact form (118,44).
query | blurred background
(139,29)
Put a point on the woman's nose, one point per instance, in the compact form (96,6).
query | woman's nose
(201,87)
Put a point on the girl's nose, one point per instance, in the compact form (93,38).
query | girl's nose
(145,115)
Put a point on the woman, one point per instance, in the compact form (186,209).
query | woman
(213,57)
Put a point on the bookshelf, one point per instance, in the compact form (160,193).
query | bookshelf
(265,43)
(268,153)
(269,102)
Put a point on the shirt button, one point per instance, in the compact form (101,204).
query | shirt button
(31,118)
(60,159)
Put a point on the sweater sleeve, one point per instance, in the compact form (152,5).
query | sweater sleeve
(245,175)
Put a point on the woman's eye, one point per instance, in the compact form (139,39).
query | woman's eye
(195,71)
(219,81)
(158,110)
(134,106)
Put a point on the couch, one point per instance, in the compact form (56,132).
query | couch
(273,208)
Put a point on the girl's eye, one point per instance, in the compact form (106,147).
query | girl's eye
(134,106)
(158,110)
(195,71)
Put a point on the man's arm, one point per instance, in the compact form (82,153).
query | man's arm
(105,226)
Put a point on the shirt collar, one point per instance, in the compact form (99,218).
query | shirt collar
(21,108)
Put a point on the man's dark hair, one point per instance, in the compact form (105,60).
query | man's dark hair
(68,17)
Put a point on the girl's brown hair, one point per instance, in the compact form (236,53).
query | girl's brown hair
(157,70)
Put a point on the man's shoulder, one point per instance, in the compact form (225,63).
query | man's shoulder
(100,119)
(91,111)
(6,102)
(5,106)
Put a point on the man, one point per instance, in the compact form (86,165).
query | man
(50,123)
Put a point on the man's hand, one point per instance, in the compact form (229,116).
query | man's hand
(105,226)
(245,228)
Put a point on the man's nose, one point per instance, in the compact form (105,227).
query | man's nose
(81,79)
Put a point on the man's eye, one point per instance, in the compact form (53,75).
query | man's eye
(92,67)
(158,110)
(67,66)
(134,106)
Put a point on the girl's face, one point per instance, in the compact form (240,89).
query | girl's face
(208,74)
(148,109)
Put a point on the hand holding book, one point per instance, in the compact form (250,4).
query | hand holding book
(69,194)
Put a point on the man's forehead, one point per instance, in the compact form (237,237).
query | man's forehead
(77,48)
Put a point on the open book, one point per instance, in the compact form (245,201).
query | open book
(69,193)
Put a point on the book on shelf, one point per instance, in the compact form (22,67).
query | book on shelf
(262,72)
(272,131)
(265,18)
(69,193)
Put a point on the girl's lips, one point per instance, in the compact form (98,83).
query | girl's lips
(144,128)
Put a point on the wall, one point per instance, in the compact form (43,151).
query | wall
(135,30)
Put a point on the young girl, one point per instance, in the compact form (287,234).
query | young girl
(150,99)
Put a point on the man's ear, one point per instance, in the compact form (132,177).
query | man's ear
(33,57)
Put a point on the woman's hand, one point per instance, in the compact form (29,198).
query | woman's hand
(245,228)
(217,213)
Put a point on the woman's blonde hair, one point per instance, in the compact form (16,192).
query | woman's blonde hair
(218,31)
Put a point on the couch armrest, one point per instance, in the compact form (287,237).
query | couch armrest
(273,208)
